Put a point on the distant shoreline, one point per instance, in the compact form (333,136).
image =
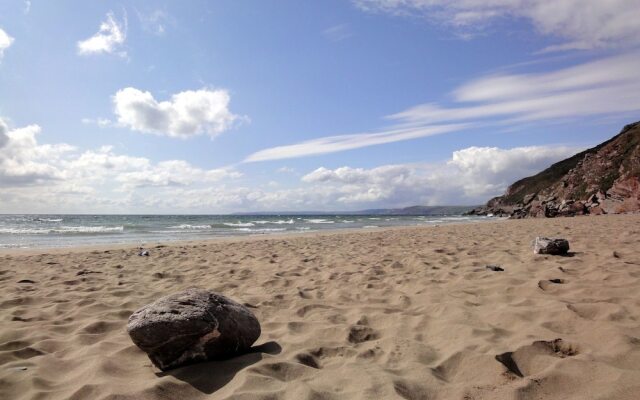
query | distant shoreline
(231,238)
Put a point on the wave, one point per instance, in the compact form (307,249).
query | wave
(279,222)
(241,224)
(370,226)
(319,221)
(190,227)
(261,230)
(49,219)
(63,230)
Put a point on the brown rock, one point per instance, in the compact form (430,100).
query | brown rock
(191,326)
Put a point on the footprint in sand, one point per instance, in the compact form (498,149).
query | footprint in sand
(534,358)
(282,371)
(361,333)
(545,284)
(315,358)
(411,390)
(309,360)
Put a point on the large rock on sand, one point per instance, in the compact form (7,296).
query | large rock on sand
(191,326)
(553,246)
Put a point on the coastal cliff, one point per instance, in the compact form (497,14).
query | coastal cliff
(601,180)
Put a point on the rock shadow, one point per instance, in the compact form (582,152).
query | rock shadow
(209,377)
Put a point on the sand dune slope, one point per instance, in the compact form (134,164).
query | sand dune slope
(406,313)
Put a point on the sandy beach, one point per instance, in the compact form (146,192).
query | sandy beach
(403,313)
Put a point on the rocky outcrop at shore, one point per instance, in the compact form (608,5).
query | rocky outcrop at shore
(601,180)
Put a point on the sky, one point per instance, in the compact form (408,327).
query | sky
(207,107)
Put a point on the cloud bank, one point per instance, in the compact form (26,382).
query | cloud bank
(471,176)
(43,175)
(39,177)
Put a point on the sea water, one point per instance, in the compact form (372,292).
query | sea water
(27,231)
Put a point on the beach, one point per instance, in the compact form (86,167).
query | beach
(389,313)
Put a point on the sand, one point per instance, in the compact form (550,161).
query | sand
(407,313)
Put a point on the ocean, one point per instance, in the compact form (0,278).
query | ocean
(34,231)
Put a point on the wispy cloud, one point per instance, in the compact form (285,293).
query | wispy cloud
(334,144)
(109,38)
(580,24)
(337,33)
(605,87)
(155,22)
(101,122)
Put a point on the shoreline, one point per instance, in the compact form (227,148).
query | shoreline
(239,237)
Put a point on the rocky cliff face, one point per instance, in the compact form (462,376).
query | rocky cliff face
(601,180)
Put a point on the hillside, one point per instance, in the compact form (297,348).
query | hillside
(601,180)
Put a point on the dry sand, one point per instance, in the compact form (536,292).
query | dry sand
(407,313)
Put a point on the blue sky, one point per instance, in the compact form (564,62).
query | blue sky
(223,106)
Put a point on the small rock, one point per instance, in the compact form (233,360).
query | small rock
(144,253)
(553,246)
(192,325)
(495,268)
(26,281)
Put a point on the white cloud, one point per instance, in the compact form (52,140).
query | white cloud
(5,42)
(130,173)
(581,24)
(607,86)
(4,134)
(471,176)
(186,114)
(109,38)
(23,161)
(60,178)
(483,172)
(173,173)
(34,175)
(333,144)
